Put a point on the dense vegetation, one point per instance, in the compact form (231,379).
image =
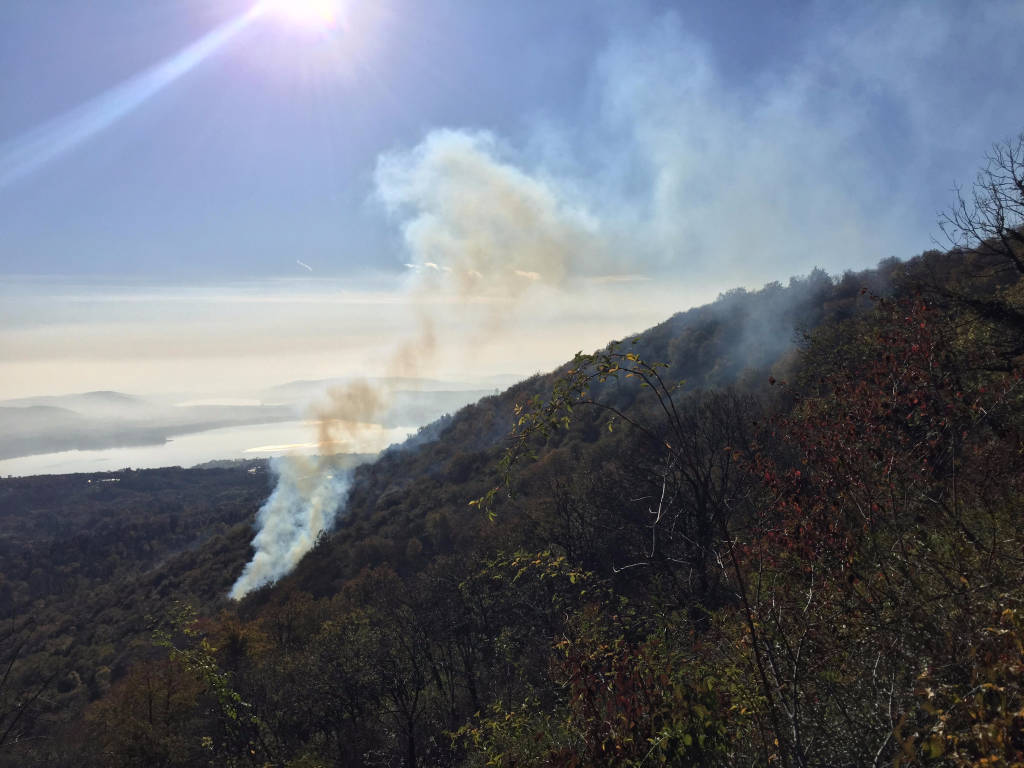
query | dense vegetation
(783,529)
(87,559)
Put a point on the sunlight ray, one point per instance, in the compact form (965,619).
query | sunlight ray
(25,155)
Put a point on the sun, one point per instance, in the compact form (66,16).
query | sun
(317,14)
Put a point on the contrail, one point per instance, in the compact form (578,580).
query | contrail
(24,155)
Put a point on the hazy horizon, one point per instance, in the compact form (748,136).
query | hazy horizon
(231,339)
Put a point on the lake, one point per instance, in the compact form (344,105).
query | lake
(246,442)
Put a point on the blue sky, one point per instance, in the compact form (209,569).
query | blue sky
(264,153)
(702,144)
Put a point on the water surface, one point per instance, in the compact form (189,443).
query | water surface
(245,442)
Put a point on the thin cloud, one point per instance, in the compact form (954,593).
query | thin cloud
(613,279)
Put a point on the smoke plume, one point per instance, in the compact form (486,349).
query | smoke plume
(481,235)
(304,504)
(476,225)
(674,171)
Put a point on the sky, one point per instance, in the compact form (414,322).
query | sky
(198,197)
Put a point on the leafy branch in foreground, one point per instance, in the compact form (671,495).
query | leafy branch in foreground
(243,730)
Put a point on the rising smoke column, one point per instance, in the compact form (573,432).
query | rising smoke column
(309,491)
(478,231)
(305,501)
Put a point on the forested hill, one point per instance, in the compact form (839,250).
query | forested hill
(412,504)
(779,529)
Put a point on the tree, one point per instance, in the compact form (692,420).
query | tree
(686,445)
(148,718)
(986,225)
(17,701)
(861,548)
(886,556)
(990,219)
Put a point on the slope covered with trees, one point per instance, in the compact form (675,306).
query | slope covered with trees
(86,560)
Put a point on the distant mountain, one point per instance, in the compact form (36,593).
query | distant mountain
(106,419)
(312,388)
(30,414)
(99,404)
(109,396)
(98,420)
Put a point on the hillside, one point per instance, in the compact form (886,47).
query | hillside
(809,509)
(409,495)
(87,559)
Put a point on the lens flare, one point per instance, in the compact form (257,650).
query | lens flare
(26,154)
(308,13)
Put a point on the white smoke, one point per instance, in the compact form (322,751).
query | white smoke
(310,490)
(478,230)
(304,504)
